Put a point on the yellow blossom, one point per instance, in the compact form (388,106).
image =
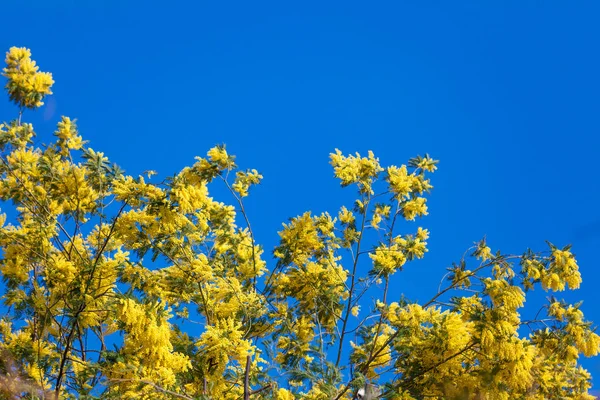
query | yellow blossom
(26,86)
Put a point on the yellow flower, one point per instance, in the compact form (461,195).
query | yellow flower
(400,182)
(414,207)
(244,180)
(356,169)
(387,259)
(26,86)
(284,394)
(345,216)
(218,155)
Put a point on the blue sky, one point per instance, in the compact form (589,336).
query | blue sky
(505,95)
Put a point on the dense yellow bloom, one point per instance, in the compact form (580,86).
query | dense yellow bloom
(564,271)
(218,155)
(148,341)
(356,169)
(190,197)
(135,190)
(68,136)
(302,236)
(26,86)
(413,246)
(224,341)
(243,181)
(503,294)
(400,182)
(345,216)
(284,394)
(414,208)
(388,259)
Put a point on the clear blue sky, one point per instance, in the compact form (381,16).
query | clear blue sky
(505,95)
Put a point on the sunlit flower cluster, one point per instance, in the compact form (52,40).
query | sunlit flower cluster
(121,286)
(26,86)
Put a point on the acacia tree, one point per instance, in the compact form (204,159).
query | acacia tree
(120,287)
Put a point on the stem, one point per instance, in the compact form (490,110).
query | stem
(267,386)
(247,379)
(380,323)
(353,279)
(243,211)
(63,358)
(387,283)
(321,344)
